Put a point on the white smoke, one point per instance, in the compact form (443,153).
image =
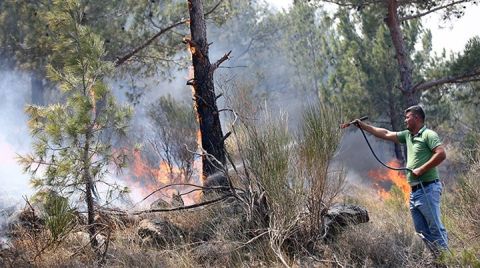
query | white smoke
(357,159)
(14,140)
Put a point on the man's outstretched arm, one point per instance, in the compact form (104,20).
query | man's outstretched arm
(378,132)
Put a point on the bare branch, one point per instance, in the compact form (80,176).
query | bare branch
(253,239)
(226,110)
(233,67)
(191,82)
(30,205)
(180,184)
(185,207)
(213,8)
(464,78)
(123,59)
(418,15)
(351,5)
(225,57)
(226,136)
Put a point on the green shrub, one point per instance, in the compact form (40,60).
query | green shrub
(59,216)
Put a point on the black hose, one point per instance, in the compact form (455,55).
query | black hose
(376,157)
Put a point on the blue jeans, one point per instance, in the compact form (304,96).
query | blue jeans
(425,209)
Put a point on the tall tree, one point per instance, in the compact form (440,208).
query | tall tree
(365,75)
(397,13)
(212,139)
(72,148)
(456,108)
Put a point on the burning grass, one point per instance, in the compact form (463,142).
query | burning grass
(392,178)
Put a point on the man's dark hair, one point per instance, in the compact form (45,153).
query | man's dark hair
(416,110)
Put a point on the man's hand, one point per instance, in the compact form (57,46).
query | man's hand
(344,125)
(418,172)
(438,156)
(355,122)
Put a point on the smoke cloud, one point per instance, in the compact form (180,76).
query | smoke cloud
(14,139)
(357,159)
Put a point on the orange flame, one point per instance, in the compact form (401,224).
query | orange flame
(198,162)
(394,177)
(147,178)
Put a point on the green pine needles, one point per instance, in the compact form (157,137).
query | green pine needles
(72,139)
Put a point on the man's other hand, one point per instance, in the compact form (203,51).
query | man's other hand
(417,172)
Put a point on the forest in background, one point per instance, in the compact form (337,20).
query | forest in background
(151,146)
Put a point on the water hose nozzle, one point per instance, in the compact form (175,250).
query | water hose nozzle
(361,119)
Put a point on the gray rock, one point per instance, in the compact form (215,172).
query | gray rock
(217,181)
(177,201)
(159,204)
(160,233)
(339,216)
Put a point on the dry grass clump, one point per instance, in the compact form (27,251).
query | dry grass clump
(216,236)
(36,248)
(388,240)
(462,216)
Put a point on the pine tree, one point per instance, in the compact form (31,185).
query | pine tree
(72,148)
(365,78)
(395,15)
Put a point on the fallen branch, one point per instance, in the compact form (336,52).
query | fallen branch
(180,184)
(184,207)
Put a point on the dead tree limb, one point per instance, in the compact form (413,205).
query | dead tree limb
(179,184)
(126,57)
(463,78)
(225,57)
(224,197)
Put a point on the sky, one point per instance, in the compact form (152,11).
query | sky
(451,36)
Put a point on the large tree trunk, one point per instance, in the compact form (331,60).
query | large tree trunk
(403,60)
(204,92)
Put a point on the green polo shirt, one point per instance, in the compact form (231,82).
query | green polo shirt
(419,151)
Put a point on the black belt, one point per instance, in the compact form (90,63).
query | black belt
(418,186)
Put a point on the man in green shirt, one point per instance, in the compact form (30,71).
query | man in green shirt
(424,153)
